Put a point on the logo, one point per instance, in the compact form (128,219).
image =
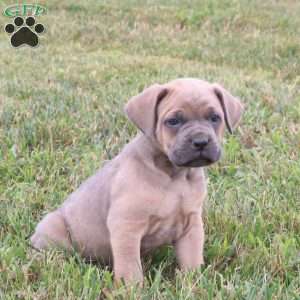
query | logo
(24,10)
(24,30)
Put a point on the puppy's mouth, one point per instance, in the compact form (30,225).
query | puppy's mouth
(196,161)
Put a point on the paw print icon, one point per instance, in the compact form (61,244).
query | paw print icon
(24,33)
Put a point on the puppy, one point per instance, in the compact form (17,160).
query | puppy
(152,193)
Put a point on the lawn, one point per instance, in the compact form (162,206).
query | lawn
(61,117)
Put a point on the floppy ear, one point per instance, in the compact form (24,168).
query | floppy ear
(142,109)
(232,107)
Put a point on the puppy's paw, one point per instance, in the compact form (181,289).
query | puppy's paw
(38,241)
(51,232)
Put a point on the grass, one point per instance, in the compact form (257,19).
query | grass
(61,116)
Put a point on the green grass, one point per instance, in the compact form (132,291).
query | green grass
(61,116)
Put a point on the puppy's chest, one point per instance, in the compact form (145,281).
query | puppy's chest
(174,216)
(180,199)
(165,231)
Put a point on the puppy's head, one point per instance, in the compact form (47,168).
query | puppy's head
(186,118)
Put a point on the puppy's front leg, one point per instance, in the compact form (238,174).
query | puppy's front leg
(189,248)
(125,238)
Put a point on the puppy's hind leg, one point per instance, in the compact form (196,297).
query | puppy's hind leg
(51,232)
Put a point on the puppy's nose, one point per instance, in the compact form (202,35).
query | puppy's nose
(200,142)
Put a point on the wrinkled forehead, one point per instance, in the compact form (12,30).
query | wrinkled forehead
(194,100)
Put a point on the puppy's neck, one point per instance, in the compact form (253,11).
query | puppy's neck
(149,148)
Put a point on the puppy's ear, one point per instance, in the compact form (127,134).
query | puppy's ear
(232,107)
(142,109)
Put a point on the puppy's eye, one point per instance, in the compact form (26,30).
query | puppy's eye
(214,118)
(173,122)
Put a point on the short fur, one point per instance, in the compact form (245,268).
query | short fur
(152,193)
